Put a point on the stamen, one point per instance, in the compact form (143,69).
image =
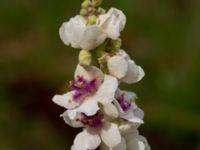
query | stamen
(125,105)
(95,121)
(83,87)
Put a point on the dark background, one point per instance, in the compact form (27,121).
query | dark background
(163,36)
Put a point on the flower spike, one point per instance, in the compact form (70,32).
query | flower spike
(108,116)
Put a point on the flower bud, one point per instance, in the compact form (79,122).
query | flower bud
(86,4)
(85,57)
(101,10)
(83,12)
(96,3)
(92,19)
(116,44)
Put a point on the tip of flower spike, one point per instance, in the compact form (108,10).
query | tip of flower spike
(96,3)
(86,4)
(91,7)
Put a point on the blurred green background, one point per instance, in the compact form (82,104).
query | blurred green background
(163,36)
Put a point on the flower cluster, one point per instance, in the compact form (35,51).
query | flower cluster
(108,115)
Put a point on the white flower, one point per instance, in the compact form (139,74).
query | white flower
(89,90)
(90,139)
(78,34)
(125,69)
(87,74)
(130,141)
(112,23)
(135,141)
(127,107)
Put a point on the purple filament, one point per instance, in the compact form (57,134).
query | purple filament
(124,104)
(83,87)
(95,121)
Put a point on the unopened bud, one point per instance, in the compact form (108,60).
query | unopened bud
(85,57)
(86,4)
(83,12)
(92,19)
(101,10)
(116,43)
(96,3)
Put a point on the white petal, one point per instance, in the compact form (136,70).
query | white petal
(94,72)
(87,140)
(132,140)
(125,127)
(72,31)
(112,23)
(143,144)
(132,117)
(64,37)
(81,71)
(120,16)
(120,146)
(135,73)
(136,141)
(123,54)
(118,106)
(110,110)
(110,134)
(92,37)
(88,72)
(73,148)
(139,113)
(65,100)
(89,106)
(112,31)
(72,118)
(118,66)
(129,95)
(106,91)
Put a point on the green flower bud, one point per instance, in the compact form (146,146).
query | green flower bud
(86,4)
(92,19)
(96,3)
(83,12)
(101,10)
(85,57)
(116,43)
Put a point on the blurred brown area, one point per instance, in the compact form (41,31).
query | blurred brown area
(162,36)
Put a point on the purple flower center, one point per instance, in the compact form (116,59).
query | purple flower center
(95,121)
(124,104)
(83,87)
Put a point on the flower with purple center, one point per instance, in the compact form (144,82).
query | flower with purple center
(89,89)
(124,104)
(83,87)
(129,111)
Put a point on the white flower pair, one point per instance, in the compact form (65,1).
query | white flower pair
(79,34)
